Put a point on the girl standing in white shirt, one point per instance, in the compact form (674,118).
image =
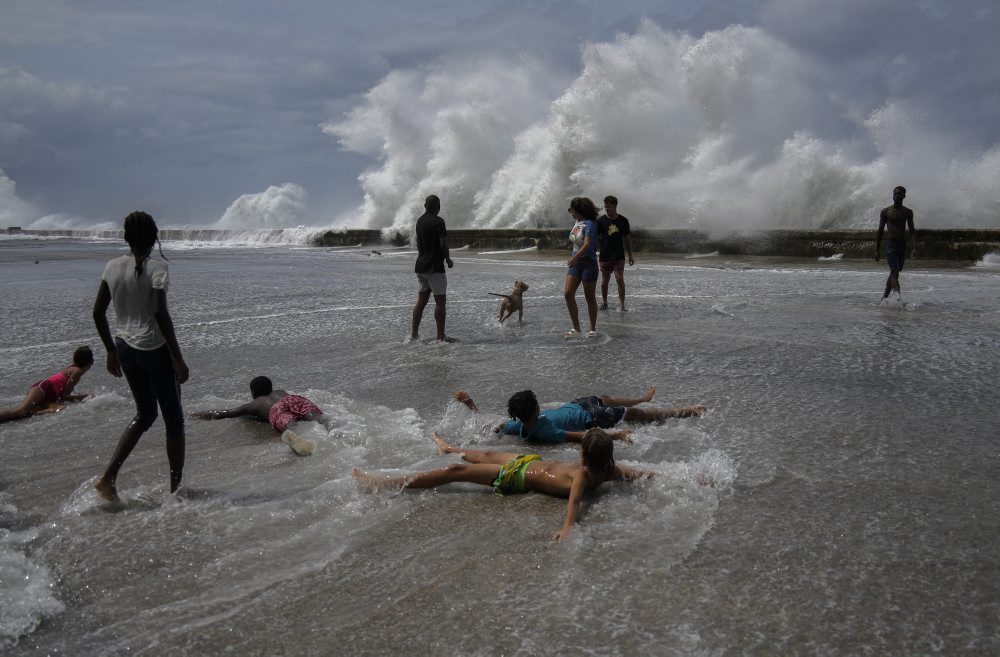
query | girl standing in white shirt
(144,347)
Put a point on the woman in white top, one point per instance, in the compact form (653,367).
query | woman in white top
(144,347)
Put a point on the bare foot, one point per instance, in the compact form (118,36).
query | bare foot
(106,490)
(444,447)
(648,397)
(366,481)
(463,397)
(370,483)
(692,411)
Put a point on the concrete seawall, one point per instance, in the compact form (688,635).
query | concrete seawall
(959,245)
(969,245)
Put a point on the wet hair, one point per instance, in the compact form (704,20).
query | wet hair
(141,234)
(521,405)
(432,203)
(598,452)
(899,188)
(83,356)
(584,207)
(260,386)
(610,200)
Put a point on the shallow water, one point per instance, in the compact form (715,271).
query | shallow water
(852,445)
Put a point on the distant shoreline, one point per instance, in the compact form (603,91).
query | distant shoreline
(944,244)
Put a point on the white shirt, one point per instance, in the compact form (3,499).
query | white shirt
(133,300)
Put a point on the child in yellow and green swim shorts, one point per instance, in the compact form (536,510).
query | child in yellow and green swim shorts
(510,473)
(511,477)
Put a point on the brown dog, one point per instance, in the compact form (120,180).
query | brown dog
(512,302)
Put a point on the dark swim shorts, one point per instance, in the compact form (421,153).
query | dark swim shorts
(605,417)
(895,254)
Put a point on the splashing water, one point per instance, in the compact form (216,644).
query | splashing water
(733,130)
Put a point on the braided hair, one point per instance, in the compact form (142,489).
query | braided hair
(141,234)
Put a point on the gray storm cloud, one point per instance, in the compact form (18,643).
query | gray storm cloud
(713,115)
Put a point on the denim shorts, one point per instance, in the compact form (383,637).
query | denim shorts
(150,376)
(605,417)
(585,269)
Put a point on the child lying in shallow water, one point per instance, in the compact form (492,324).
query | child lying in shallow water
(569,422)
(278,408)
(48,395)
(510,473)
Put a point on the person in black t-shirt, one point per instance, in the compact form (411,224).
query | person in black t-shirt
(613,234)
(432,254)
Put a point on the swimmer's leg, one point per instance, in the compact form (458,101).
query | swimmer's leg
(34,398)
(319,418)
(626,401)
(45,409)
(473,455)
(474,473)
(648,415)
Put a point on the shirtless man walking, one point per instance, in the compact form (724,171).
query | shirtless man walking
(893,221)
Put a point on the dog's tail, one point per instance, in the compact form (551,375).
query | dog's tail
(505,296)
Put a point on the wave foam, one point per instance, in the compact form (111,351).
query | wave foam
(26,588)
(278,206)
(990,260)
(733,130)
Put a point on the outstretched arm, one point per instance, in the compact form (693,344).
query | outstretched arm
(576,490)
(623,436)
(223,413)
(632,474)
(463,397)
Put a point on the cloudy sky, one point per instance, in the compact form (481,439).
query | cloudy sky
(264,114)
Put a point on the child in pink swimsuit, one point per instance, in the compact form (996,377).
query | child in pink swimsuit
(45,396)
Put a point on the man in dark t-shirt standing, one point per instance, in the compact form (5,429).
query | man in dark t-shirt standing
(432,254)
(613,235)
